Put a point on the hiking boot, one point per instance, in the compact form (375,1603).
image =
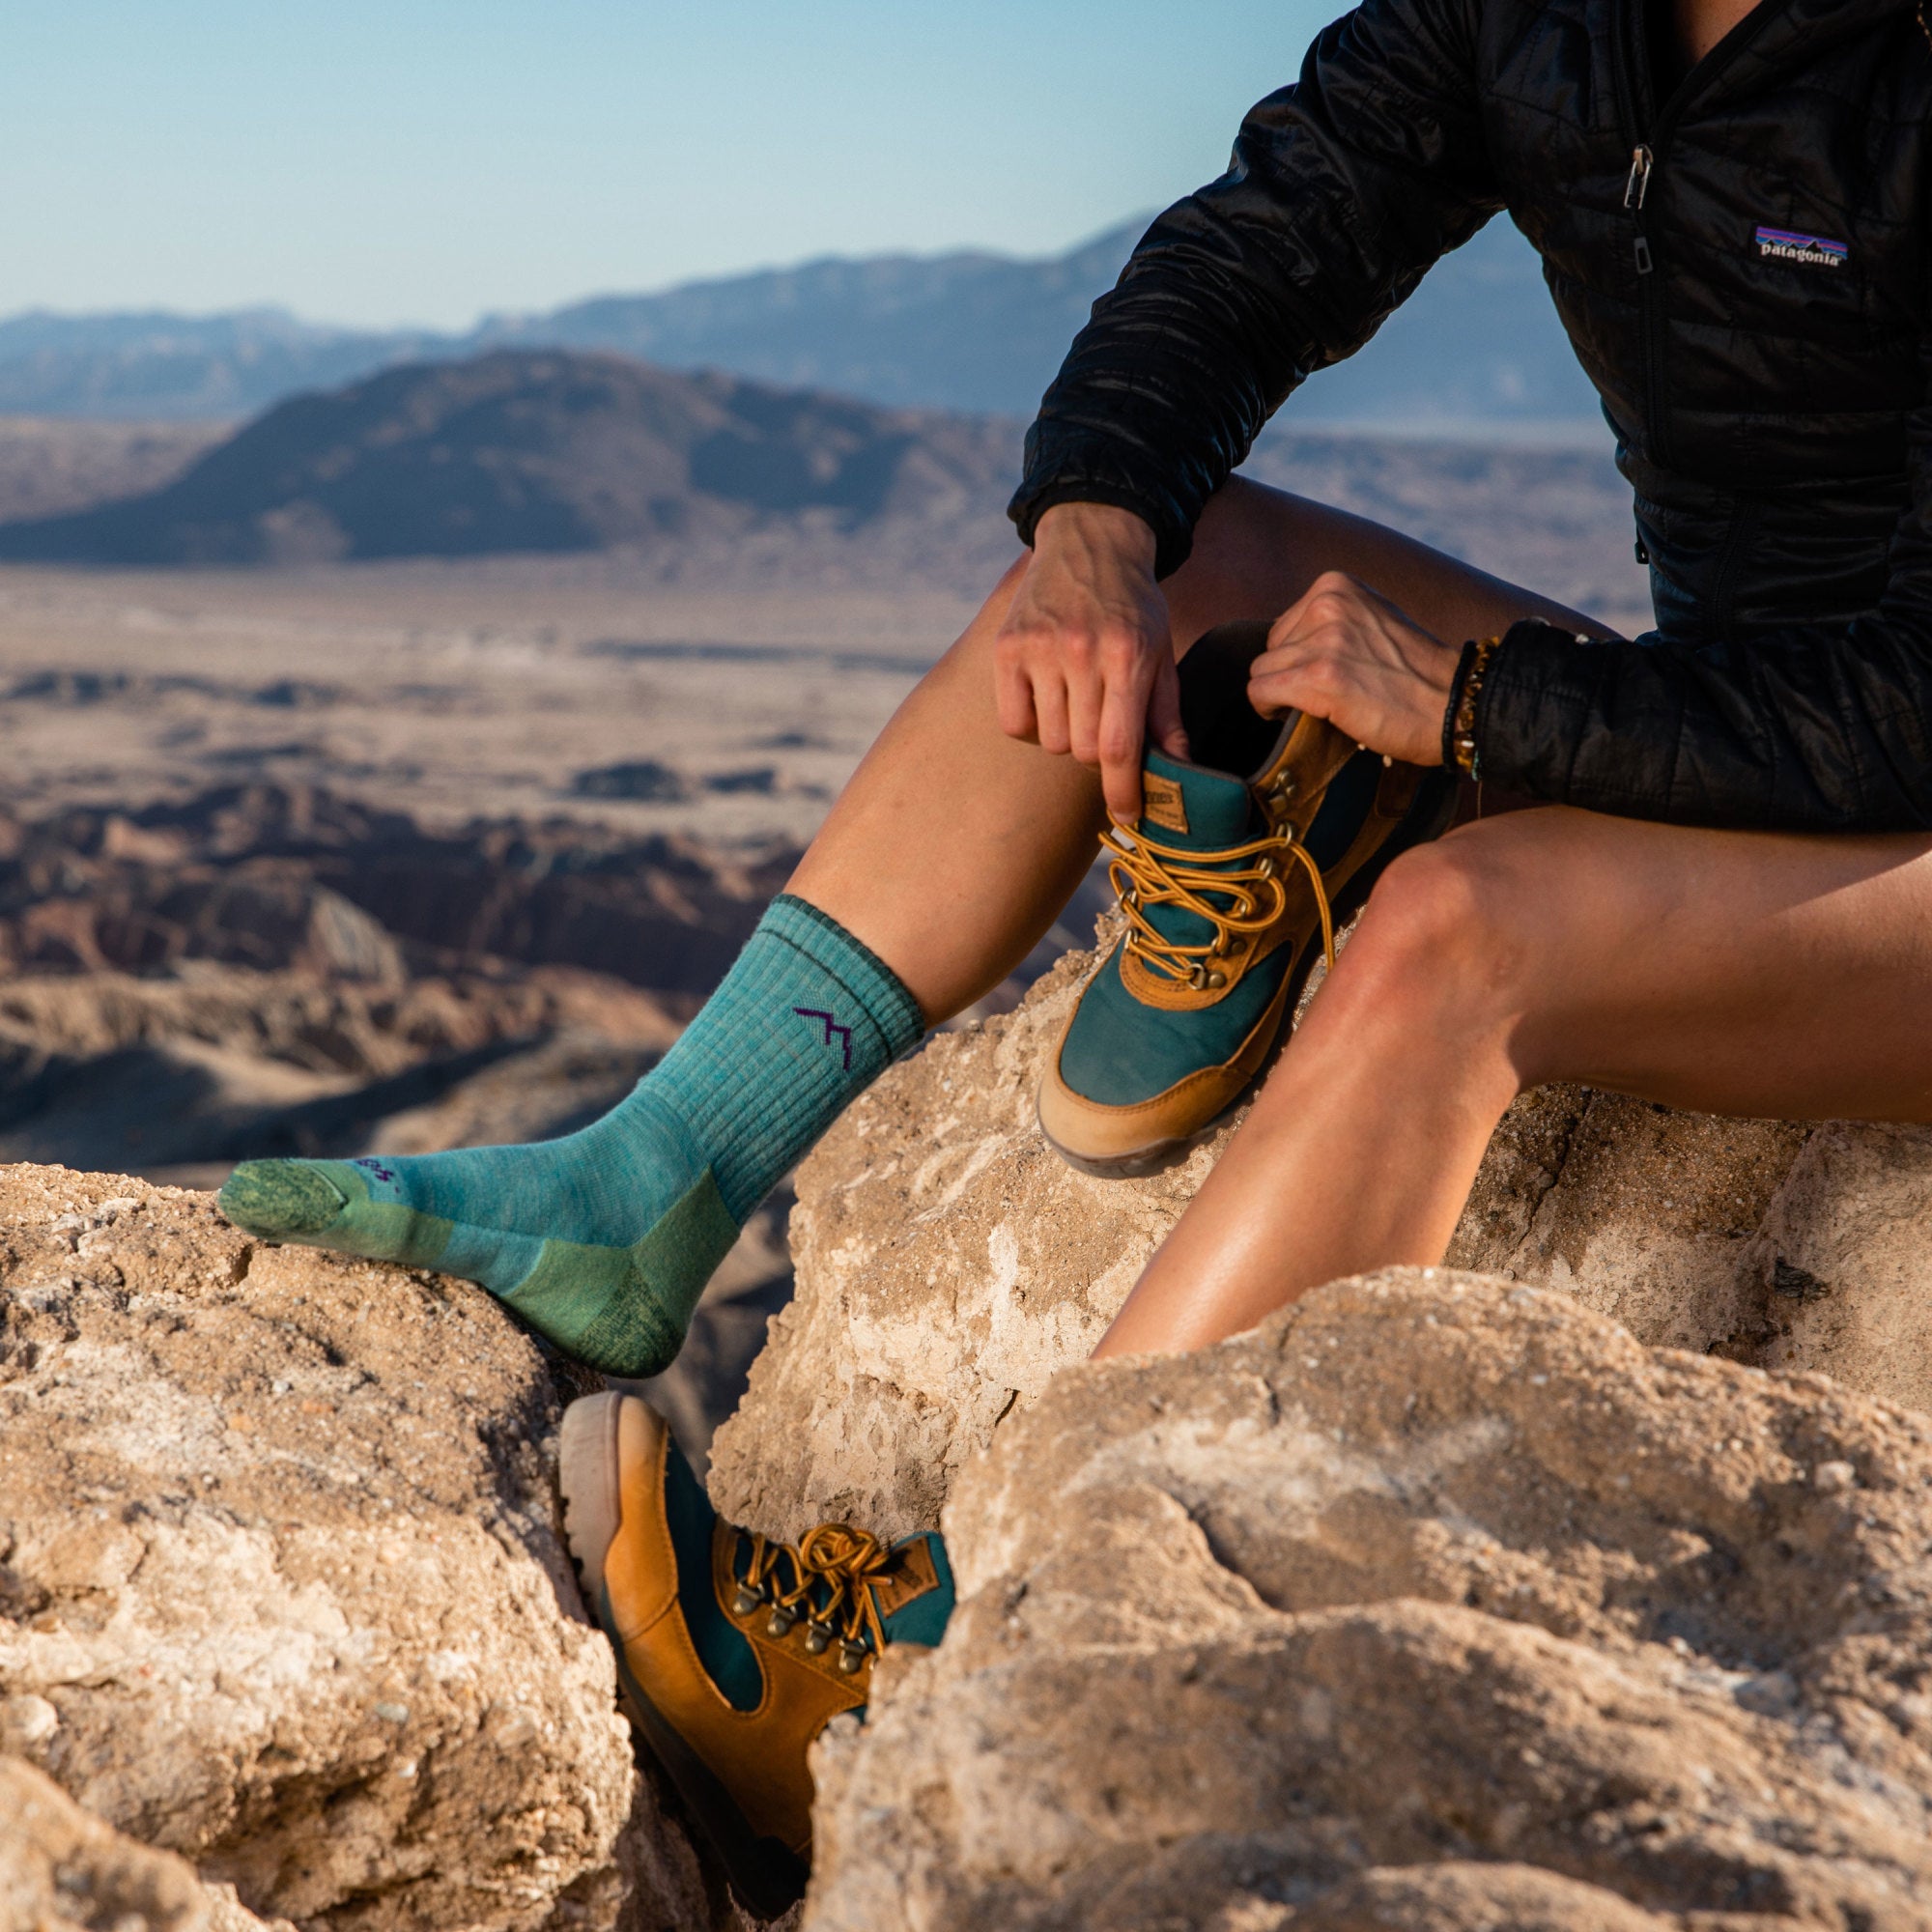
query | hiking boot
(733,1652)
(1233,881)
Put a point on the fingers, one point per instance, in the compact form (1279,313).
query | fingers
(1076,655)
(1300,674)
(1051,708)
(1086,692)
(1164,726)
(1343,653)
(1310,648)
(1082,695)
(1123,726)
(1089,700)
(1045,688)
(1330,602)
(1012,691)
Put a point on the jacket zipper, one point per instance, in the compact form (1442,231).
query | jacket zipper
(1631,73)
(1636,187)
(1649,303)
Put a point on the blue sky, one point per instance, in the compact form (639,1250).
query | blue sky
(405,160)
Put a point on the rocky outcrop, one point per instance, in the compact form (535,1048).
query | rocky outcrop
(62,1870)
(281,1590)
(272,877)
(949,1265)
(1437,1602)
(1441,1601)
(1845,1261)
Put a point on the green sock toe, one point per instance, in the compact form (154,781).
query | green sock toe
(281,1197)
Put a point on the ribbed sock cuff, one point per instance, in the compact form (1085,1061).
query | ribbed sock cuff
(880,992)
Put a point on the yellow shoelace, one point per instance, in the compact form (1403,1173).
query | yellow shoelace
(1145,873)
(838,1564)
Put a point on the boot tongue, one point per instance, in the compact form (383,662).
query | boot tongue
(1197,809)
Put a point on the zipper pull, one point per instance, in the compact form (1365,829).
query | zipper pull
(1644,263)
(1638,184)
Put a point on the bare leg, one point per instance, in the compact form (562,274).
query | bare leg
(948,855)
(955,847)
(1735,973)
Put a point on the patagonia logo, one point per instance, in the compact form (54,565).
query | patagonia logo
(1780,245)
(1161,803)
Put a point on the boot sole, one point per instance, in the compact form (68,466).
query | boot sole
(1158,1155)
(588,1474)
(768,1877)
(1144,1161)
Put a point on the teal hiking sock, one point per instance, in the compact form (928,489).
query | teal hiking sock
(603,1241)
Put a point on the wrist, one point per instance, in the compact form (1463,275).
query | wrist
(1096,526)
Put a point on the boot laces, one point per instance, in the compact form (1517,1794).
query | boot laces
(1235,900)
(833,1573)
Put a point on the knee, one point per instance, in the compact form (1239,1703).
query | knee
(1443,933)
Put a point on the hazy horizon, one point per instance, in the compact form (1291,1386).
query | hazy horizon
(383,164)
(272,305)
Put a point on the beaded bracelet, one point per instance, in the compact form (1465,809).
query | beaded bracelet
(1459,721)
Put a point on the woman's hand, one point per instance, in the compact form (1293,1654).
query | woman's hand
(1347,654)
(1084,661)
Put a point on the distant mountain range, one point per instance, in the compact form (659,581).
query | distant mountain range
(1478,349)
(543,450)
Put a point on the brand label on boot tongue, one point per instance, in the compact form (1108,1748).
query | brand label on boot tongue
(1162,803)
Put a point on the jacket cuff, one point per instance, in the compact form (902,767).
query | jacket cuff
(1172,547)
(1538,685)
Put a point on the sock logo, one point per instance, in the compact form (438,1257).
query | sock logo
(372,1166)
(831,1026)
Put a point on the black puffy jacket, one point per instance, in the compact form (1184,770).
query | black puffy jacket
(1743,269)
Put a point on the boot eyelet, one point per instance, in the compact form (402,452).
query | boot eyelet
(781,1621)
(745,1600)
(1217,979)
(850,1657)
(817,1638)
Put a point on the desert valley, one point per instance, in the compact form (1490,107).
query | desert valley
(314,847)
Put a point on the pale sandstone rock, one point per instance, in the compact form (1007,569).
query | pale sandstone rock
(281,1589)
(1435,1603)
(950,1263)
(62,1870)
(1844,1261)
(1649,1216)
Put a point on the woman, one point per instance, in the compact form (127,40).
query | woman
(1725,903)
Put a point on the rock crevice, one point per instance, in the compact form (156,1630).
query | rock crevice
(281,1589)
(1434,1589)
